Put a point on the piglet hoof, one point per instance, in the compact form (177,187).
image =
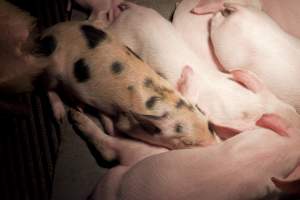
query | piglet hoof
(80,121)
(59,113)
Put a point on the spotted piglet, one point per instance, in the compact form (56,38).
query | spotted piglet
(90,65)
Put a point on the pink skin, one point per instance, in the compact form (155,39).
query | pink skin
(285,13)
(149,172)
(232,102)
(189,25)
(257,39)
(253,159)
(191,19)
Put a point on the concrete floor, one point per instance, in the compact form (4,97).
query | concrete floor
(77,171)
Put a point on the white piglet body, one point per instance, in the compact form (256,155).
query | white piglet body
(251,165)
(244,173)
(259,45)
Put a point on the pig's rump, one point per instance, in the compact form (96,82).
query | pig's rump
(285,13)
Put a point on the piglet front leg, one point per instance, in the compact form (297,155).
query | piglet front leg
(57,105)
(128,151)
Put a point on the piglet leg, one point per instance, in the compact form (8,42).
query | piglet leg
(127,151)
(57,105)
(102,142)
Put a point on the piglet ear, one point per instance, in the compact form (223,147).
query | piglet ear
(273,122)
(208,7)
(183,82)
(287,186)
(248,79)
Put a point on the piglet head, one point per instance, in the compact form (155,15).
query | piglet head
(179,126)
(103,73)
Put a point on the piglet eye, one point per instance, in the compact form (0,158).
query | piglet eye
(226,12)
(178,128)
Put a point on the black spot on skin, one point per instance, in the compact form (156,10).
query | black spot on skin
(132,52)
(178,128)
(46,46)
(81,70)
(130,88)
(151,101)
(148,82)
(117,67)
(93,35)
(180,103)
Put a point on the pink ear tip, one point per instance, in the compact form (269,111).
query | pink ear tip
(273,122)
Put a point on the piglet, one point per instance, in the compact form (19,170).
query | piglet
(191,19)
(232,101)
(98,71)
(258,45)
(255,162)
